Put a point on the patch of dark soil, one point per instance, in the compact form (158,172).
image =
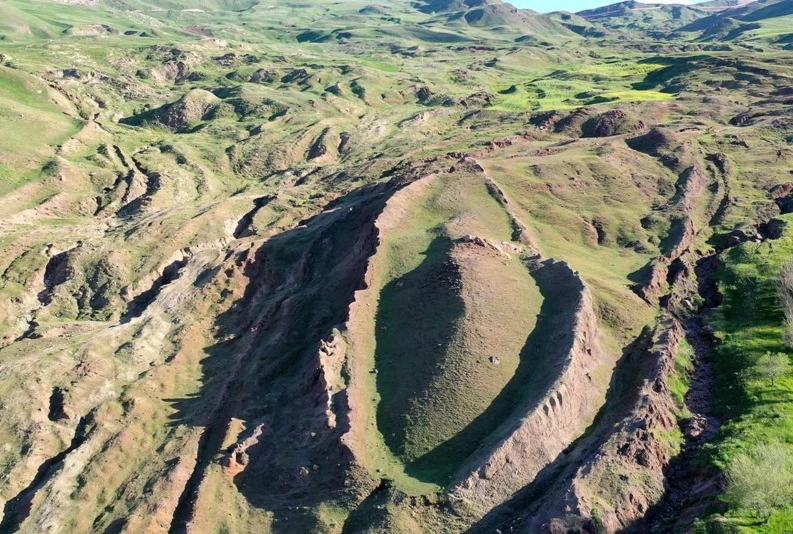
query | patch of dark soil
(57,411)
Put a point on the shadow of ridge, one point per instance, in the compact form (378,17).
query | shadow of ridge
(629,374)
(264,368)
(675,67)
(416,322)
(641,276)
(545,349)
(373,509)
(17,509)
(707,486)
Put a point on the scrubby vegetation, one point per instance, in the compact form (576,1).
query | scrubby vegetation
(755,443)
(761,479)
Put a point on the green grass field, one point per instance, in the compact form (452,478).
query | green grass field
(750,323)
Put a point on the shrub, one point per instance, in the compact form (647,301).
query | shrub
(761,480)
(771,366)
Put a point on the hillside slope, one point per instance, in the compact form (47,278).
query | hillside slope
(443,266)
(763,20)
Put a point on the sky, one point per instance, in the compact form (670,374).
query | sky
(577,5)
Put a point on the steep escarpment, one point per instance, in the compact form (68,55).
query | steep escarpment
(287,326)
(619,480)
(559,395)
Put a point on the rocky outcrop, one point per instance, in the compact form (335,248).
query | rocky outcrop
(610,123)
(147,289)
(655,284)
(264,76)
(623,477)
(783,197)
(328,379)
(481,99)
(181,115)
(520,231)
(60,269)
(245,226)
(546,120)
(324,147)
(587,122)
(571,124)
(503,248)
(237,455)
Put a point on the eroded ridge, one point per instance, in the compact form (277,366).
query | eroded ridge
(558,404)
(548,424)
(622,477)
(683,159)
(448,383)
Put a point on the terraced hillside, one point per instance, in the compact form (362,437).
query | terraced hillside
(434,266)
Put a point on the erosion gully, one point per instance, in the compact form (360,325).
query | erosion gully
(692,487)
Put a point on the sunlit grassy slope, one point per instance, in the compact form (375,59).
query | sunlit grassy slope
(749,324)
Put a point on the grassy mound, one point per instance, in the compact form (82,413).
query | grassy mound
(451,321)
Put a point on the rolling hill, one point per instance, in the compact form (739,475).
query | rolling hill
(411,266)
(762,20)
